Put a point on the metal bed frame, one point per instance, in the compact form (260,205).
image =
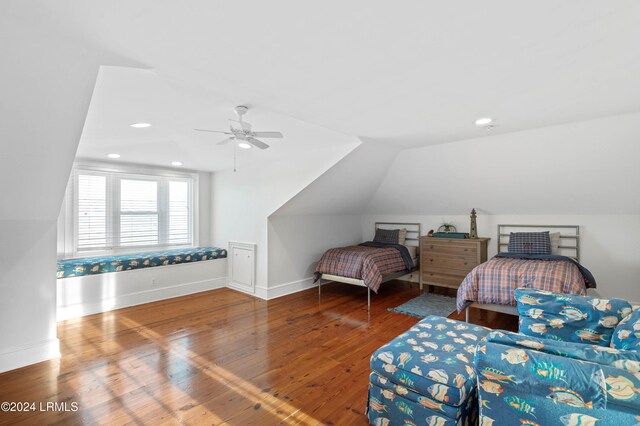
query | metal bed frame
(569,246)
(414,230)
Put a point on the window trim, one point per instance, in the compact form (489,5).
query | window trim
(70,208)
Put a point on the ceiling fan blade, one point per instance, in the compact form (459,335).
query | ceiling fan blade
(225,141)
(240,126)
(255,142)
(213,131)
(268,135)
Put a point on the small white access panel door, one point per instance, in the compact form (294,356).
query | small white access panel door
(242,266)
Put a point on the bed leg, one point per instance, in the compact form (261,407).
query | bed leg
(368,298)
(319,285)
(466,314)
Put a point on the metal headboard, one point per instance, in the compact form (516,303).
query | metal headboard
(413,231)
(569,236)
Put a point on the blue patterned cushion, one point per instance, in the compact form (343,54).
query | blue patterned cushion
(627,333)
(533,381)
(434,358)
(387,236)
(569,317)
(530,242)
(99,265)
(391,405)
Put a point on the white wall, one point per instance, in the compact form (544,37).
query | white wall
(324,214)
(582,173)
(296,243)
(46,86)
(242,201)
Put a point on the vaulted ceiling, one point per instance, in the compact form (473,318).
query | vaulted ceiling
(410,73)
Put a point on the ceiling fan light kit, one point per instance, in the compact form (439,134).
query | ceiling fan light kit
(240,132)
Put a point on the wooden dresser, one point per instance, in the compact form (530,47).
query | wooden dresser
(445,262)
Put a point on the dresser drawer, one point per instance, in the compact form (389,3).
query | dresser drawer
(451,248)
(447,261)
(442,279)
(460,263)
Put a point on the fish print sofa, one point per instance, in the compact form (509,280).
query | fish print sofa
(574,362)
(425,376)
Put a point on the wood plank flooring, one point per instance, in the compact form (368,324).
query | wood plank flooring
(220,357)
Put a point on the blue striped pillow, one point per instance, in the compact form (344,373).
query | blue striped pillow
(530,242)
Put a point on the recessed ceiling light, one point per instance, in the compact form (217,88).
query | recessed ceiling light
(176,163)
(244,145)
(483,121)
(140,125)
(113,155)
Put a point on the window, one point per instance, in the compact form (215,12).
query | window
(119,211)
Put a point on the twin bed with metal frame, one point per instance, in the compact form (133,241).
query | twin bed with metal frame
(413,239)
(569,246)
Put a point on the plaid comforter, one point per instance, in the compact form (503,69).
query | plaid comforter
(360,262)
(496,280)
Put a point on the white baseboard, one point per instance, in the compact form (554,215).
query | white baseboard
(284,289)
(261,292)
(139,298)
(21,356)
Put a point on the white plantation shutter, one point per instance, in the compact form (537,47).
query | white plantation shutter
(91,231)
(138,212)
(117,211)
(179,212)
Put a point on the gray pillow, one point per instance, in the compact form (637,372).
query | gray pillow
(387,236)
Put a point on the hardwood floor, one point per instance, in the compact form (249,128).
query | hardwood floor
(220,357)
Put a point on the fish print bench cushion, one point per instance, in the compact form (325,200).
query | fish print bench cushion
(569,317)
(627,333)
(518,378)
(388,408)
(99,265)
(433,358)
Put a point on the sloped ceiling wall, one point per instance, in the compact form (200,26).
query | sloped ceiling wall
(325,214)
(587,167)
(46,87)
(347,187)
(583,173)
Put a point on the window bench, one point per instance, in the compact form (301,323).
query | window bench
(88,286)
(99,265)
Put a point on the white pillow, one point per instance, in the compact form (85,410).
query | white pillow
(402,235)
(413,251)
(555,242)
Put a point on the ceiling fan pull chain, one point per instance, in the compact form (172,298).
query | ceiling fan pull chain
(235,148)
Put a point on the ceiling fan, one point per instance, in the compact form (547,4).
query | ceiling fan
(241,131)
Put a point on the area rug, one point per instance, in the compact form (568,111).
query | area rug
(427,304)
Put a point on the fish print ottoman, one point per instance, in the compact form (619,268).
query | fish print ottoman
(425,376)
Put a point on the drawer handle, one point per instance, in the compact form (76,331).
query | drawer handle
(465,263)
(466,249)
